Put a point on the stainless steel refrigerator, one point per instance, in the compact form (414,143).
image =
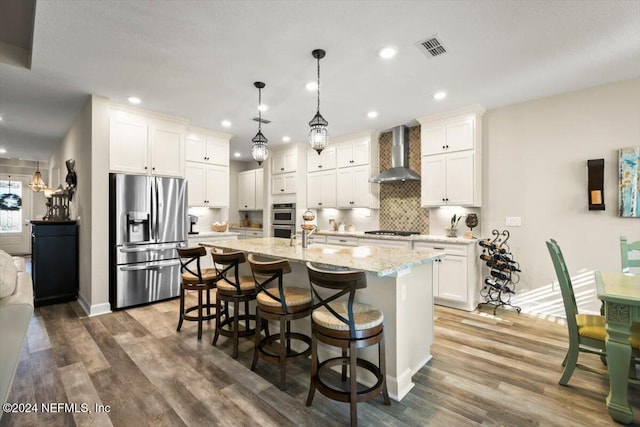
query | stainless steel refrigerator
(148,221)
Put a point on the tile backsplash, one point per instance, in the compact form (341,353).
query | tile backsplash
(400,203)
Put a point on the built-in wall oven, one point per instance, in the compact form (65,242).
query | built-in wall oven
(283,219)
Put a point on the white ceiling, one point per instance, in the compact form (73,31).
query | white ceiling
(199,59)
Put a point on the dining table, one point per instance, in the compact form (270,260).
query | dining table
(621,295)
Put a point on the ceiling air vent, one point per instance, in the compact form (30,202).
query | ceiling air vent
(432,46)
(265,121)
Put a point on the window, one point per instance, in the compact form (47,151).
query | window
(10,206)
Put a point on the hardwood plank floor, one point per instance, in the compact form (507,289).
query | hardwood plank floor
(486,370)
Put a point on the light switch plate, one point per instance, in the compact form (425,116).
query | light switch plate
(513,221)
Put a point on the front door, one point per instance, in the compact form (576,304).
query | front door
(15,212)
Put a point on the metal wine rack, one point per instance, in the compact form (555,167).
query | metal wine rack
(500,284)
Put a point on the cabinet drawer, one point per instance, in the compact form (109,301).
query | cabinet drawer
(344,241)
(253,234)
(54,230)
(448,248)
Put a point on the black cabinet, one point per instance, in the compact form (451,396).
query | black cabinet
(54,257)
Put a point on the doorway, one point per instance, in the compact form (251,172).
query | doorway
(15,211)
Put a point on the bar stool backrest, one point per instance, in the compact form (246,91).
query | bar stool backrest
(226,262)
(188,256)
(342,282)
(266,272)
(627,248)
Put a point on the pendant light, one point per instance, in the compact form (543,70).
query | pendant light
(259,148)
(318,134)
(37,184)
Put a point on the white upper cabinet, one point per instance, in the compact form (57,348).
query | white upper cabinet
(448,136)
(250,190)
(448,179)
(283,183)
(144,142)
(205,146)
(451,146)
(354,188)
(354,153)
(284,161)
(321,189)
(208,185)
(323,161)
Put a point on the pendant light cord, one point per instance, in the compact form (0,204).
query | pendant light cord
(318,85)
(259,110)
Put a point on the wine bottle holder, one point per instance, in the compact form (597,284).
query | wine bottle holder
(500,284)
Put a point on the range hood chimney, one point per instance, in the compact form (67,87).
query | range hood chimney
(399,171)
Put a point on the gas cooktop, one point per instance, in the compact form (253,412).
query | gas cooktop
(391,233)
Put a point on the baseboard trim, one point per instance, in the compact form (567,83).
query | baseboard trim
(93,310)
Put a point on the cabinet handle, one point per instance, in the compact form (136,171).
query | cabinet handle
(440,249)
(320,166)
(153,168)
(281,169)
(443,199)
(282,189)
(443,147)
(319,203)
(145,168)
(447,146)
(342,241)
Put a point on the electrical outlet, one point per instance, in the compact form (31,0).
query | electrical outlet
(513,221)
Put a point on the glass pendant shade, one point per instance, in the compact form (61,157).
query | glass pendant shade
(259,148)
(318,135)
(259,143)
(37,184)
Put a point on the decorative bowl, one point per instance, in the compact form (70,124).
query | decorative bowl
(219,227)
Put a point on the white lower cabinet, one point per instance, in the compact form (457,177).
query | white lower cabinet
(456,276)
(245,233)
(385,243)
(344,241)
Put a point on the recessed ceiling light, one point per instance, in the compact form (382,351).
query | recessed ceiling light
(134,100)
(372,114)
(439,95)
(0,118)
(237,154)
(388,52)
(2,151)
(311,86)
(226,123)
(286,139)
(263,107)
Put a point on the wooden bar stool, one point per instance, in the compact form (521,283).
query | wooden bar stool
(348,325)
(195,279)
(234,289)
(282,304)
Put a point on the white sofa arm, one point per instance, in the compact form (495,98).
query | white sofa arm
(15,315)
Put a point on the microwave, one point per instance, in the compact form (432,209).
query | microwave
(283,214)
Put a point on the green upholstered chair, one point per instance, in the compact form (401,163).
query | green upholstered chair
(626,249)
(587,333)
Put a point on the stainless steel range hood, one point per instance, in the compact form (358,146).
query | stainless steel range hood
(399,171)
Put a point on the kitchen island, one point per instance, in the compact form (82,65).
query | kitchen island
(399,282)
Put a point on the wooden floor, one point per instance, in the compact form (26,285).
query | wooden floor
(486,370)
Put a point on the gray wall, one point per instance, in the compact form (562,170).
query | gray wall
(535,167)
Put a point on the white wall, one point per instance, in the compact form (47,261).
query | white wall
(535,167)
(87,143)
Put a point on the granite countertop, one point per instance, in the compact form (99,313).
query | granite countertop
(379,261)
(239,227)
(211,234)
(414,238)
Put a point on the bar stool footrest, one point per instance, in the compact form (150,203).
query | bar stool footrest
(362,395)
(292,355)
(228,322)
(185,316)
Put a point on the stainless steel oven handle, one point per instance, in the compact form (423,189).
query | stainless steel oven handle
(150,266)
(147,249)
